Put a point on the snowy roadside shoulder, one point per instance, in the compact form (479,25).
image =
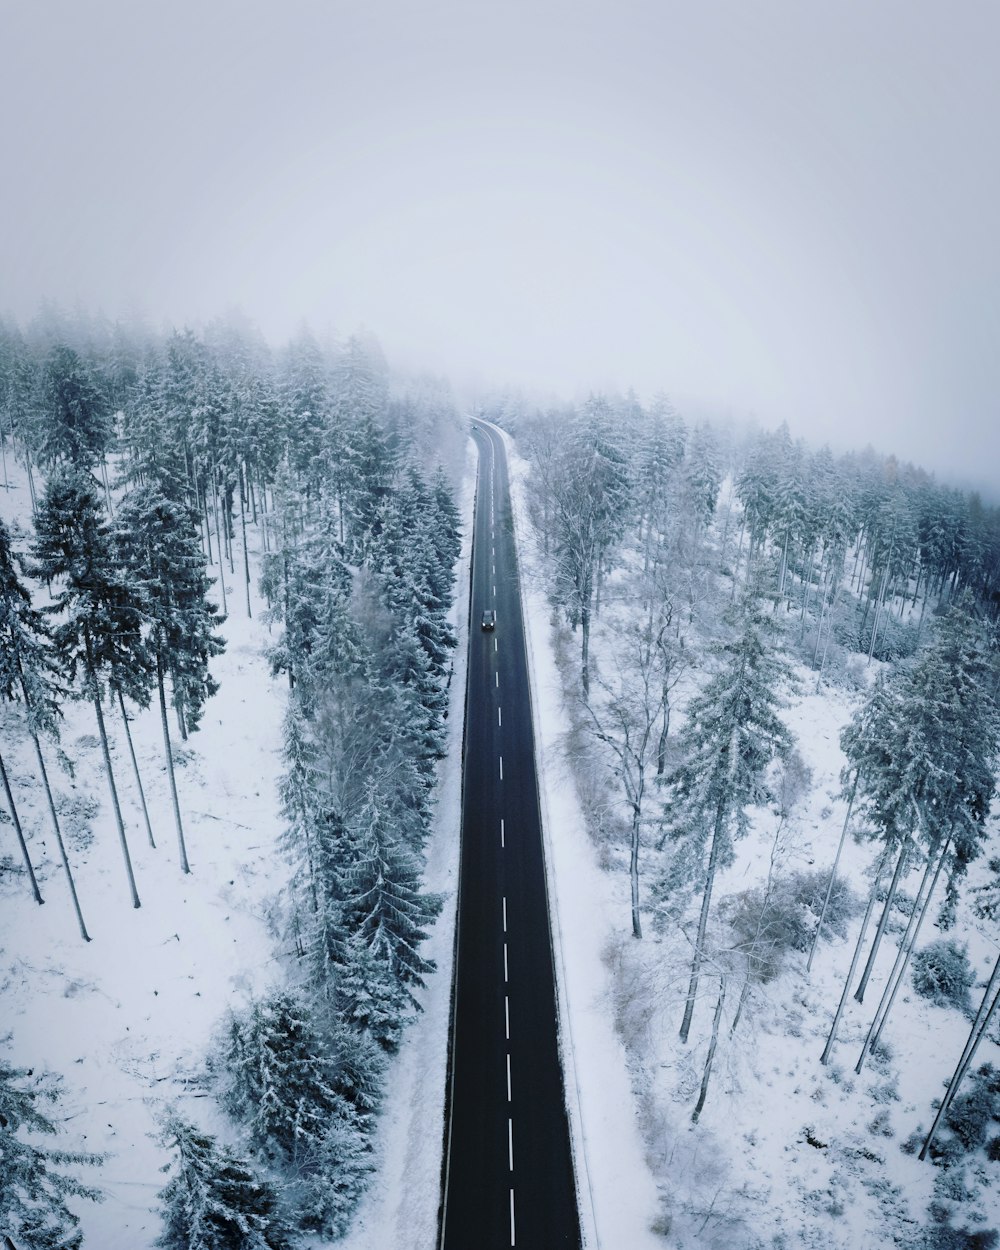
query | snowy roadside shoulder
(618,1198)
(401,1207)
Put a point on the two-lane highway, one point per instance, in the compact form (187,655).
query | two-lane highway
(508,1171)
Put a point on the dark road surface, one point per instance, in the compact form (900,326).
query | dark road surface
(508,1174)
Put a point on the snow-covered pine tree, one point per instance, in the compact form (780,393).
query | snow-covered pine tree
(99,632)
(369,997)
(215,1200)
(74,419)
(731,734)
(156,541)
(304,1093)
(33,1185)
(383,902)
(28,672)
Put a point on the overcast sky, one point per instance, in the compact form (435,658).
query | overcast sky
(782,206)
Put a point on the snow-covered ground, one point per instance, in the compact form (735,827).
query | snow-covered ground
(127,1017)
(787,1152)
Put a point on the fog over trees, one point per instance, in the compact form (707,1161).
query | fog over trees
(703,577)
(700,578)
(149,458)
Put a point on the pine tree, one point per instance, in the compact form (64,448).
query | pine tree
(99,632)
(33,1187)
(214,1199)
(731,734)
(75,425)
(28,673)
(156,541)
(383,903)
(281,1078)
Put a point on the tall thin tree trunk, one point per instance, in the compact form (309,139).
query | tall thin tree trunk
(903,954)
(720,1001)
(20,833)
(169,755)
(833,871)
(55,823)
(218,542)
(585,649)
(208,523)
(830,1041)
(107,488)
(227,525)
(109,771)
(882,922)
(706,900)
(243,527)
(633,869)
(976,1035)
(135,767)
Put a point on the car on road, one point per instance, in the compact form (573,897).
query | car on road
(489,619)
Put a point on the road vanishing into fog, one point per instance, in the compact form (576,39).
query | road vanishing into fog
(508,1169)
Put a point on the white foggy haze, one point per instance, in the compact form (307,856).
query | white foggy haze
(782,207)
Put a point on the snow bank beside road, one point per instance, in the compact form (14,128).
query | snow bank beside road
(618,1198)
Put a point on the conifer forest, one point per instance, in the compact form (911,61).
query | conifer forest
(234,602)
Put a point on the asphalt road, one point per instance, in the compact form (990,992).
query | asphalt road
(508,1174)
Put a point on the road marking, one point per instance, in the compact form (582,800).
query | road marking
(512,1217)
(494,591)
(499,719)
(505,963)
(495,648)
(498,678)
(509,1099)
(505,913)
(501,831)
(501,768)
(506,1015)
(510,1143)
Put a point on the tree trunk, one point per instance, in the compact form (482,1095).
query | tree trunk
(706,901)
(711,1050)
(633,870)
(661,745)
(905,951)
(58,832)
(208,524)
(243,527)
(169,756)
(828,1048)
(20,833)
(976,1035)
(833,871)
(218,543)
(585,650)
(882,922)
(135,767)
(98,711)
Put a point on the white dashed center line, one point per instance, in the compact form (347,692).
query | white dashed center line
(510,1143)
(501,833)
(501,768)
(508,1079)
(506,1015)
(505,977)
(512,1217)
(499,718)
